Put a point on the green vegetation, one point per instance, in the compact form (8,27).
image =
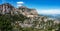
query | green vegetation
(6,20)
(5,23)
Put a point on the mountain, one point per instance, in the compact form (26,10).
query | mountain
(22,17)
(7,8)
(55,16)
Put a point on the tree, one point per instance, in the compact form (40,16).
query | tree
(5,23)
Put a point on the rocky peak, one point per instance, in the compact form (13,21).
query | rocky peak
(22,7)
(8,8)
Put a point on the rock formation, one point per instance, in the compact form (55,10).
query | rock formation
(9,9)
(6,8)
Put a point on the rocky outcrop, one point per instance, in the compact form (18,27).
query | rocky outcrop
(28,12)
(8,8)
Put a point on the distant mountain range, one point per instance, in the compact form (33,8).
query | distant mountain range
(55,16)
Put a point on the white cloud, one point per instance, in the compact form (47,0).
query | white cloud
(20,2)
(51,11)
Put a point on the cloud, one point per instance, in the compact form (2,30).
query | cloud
(20,2)
(50,11)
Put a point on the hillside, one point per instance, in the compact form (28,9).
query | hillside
(25,19)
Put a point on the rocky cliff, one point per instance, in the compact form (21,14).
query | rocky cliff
(9,9)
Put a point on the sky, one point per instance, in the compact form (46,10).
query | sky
(42,6)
